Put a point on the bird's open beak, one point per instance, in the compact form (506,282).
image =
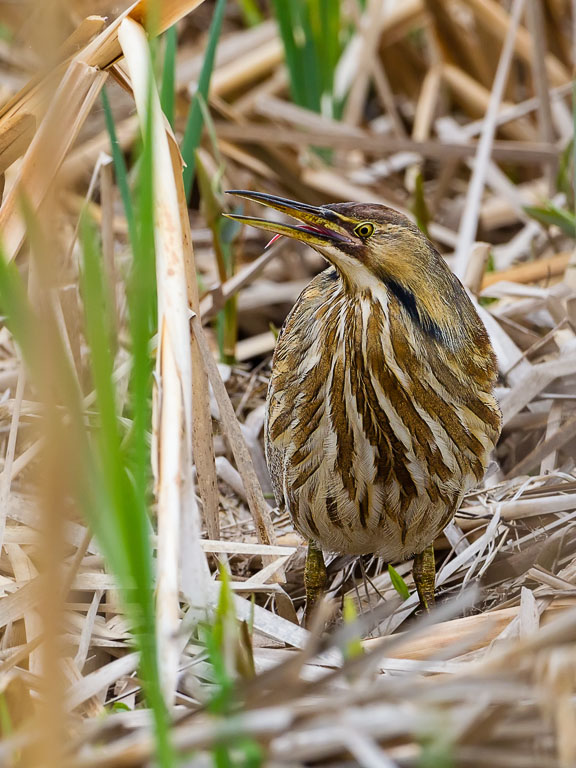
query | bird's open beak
(320,226)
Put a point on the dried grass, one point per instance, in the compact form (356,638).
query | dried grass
(490,676)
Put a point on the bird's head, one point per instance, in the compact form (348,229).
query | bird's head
(375,247)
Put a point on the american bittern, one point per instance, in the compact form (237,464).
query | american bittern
(380,411)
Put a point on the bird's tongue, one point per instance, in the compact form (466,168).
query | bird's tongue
(276,237)
(304,227)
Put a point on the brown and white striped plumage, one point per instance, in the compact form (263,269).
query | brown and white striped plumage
(380,409)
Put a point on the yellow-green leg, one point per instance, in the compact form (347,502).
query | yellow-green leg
(315,578)
(424,573)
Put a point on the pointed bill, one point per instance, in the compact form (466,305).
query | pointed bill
(319,226)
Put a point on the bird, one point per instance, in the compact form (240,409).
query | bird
(380,411)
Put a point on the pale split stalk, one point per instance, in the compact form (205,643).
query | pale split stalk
(469,222)
(173,414)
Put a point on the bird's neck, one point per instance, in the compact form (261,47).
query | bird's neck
(441,313)
(435,319)
(419,314)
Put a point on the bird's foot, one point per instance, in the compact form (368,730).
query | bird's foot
(424,573)
(315,578)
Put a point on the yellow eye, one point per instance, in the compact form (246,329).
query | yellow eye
(364,230)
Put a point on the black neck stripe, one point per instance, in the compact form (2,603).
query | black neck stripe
(420,317)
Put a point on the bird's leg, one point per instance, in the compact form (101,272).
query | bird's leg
(315,578)
(424,573)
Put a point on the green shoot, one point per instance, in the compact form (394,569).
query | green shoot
(565,177)
(167,92)
(230,657)
(124,480)
(274,330)
(398,583)
(195,122)
(353,647)
(101,475)
(119,167)
(551,215)
(223,231)
(128,491)
(437,750)
(250,13)
(313,34)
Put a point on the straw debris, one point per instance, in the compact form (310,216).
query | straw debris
(456,113)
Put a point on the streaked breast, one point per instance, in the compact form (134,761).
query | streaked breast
(373,430)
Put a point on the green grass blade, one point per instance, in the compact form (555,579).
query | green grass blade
(551,215)
(113,481)
(142,317)
(124,487)
(130,526)
(23,320)
(353,647)
(565,175)
(142,323)
(289,18)
(29,331)
(120,167)
(313,36)
(15,306)
(195,122)
(209,185)
(167,92)
(109,455)
(250,12)
(142,311)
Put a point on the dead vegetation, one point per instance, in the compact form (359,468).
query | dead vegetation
(459,112)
